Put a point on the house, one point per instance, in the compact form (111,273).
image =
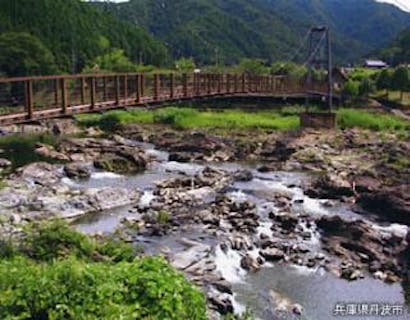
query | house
(375,64)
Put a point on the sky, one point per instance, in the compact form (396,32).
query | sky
(403,4)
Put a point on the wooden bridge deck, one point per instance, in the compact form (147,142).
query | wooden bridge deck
(35,98)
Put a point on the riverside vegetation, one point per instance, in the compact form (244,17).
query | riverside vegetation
(54,272)
(285,119)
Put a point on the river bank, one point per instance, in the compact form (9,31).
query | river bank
(227,206)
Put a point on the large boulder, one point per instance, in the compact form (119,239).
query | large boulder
(49,151)
(77,170)
(272,254)
(390,204)
(41,173)
(121,164)
(364,246)
(331,186)
(4,163)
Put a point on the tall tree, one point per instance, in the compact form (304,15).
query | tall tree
(400,80)
(383,81)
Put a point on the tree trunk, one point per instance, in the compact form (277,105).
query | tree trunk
(401,95)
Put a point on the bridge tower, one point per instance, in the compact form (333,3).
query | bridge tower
(320,57)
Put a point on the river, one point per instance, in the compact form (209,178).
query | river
(275,286)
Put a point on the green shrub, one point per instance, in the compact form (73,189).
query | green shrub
(173,115)
(59,273)
(162,217)
(7,249)
(116,250)
(73,289)
(57,240)
(351,89)
(54,240)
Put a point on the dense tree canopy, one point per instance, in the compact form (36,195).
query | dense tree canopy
(72,31)
(24,54)
(399,51)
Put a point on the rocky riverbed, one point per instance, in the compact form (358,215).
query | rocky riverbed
(230,210)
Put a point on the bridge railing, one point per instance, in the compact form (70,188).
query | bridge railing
(29,98)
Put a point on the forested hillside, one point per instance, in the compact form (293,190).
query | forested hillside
(227,30)
(50,36)
(399,50)
(68,35)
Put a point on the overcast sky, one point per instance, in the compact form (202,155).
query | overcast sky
(404,4)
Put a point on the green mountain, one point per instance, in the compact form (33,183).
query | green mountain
(74,32)
(227,30)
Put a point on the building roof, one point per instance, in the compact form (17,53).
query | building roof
(375,63)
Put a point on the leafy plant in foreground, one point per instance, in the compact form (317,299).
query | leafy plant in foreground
(57,273)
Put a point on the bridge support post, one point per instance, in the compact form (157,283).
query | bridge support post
(243,79)
(272,84)
(198,84)
(64,96)
(117,90)
(92,93)
(236,83)
(202,84)
(219,84)
(29,99)
(105,88)
(171,85)
(82,84)
(185,85)
(228,83)
(138,88)
(259,89)
(142,85)
(56,89)
(156,87)
(125,90)
(209,83)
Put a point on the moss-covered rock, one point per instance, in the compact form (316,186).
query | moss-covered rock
(121,164)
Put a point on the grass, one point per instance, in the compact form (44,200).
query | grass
(188,118)
(353,118)
(394,96)
(284,119)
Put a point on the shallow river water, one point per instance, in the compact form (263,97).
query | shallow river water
(274,286)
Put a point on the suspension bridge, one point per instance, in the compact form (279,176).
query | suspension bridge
(26,99)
